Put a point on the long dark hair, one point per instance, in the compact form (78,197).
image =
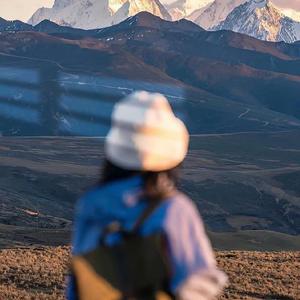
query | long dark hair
(157,185)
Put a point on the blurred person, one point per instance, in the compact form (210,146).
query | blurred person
(136,236)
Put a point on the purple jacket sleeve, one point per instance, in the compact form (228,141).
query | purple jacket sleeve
(190,248)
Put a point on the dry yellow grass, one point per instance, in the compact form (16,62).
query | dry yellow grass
(33,273)
(39,273)
(261,275)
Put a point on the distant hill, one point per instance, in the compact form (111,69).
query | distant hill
(14,25)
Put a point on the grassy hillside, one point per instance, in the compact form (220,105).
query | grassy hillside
(245,186)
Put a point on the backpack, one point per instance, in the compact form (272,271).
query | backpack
(135,269)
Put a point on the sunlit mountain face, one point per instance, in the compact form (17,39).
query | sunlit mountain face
(91,14)
(263,19)
(185,8)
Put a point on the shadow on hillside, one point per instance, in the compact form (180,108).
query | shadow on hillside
(46,101)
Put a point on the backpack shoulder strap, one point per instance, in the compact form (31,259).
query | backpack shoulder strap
(115,226)
(152,205)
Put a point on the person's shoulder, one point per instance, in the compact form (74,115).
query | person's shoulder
(183,205)
(183,218)
(183,200)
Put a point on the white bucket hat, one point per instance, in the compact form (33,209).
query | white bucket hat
(145,134)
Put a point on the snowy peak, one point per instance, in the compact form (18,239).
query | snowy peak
(75,13)
(258,18)
(258,3)
(190,5)
(62,3)
(90,14)
(290,13)
(215,13)
(261,19)
(184,8)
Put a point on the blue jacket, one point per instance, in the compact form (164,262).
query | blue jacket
(177,217)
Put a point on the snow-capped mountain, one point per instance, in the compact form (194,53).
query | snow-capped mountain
(261,19)
(215,13)
(184,8)
(90,14)
(257,18)
(291,13)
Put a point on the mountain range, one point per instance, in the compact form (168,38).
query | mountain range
(257,18)
(229,82)
(91,14)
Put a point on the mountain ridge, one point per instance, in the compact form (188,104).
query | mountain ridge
(257,18)
(141,19)
(92,14)
(264,20)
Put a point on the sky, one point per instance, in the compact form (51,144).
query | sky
(23,9)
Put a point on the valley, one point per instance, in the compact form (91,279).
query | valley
(245,186)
